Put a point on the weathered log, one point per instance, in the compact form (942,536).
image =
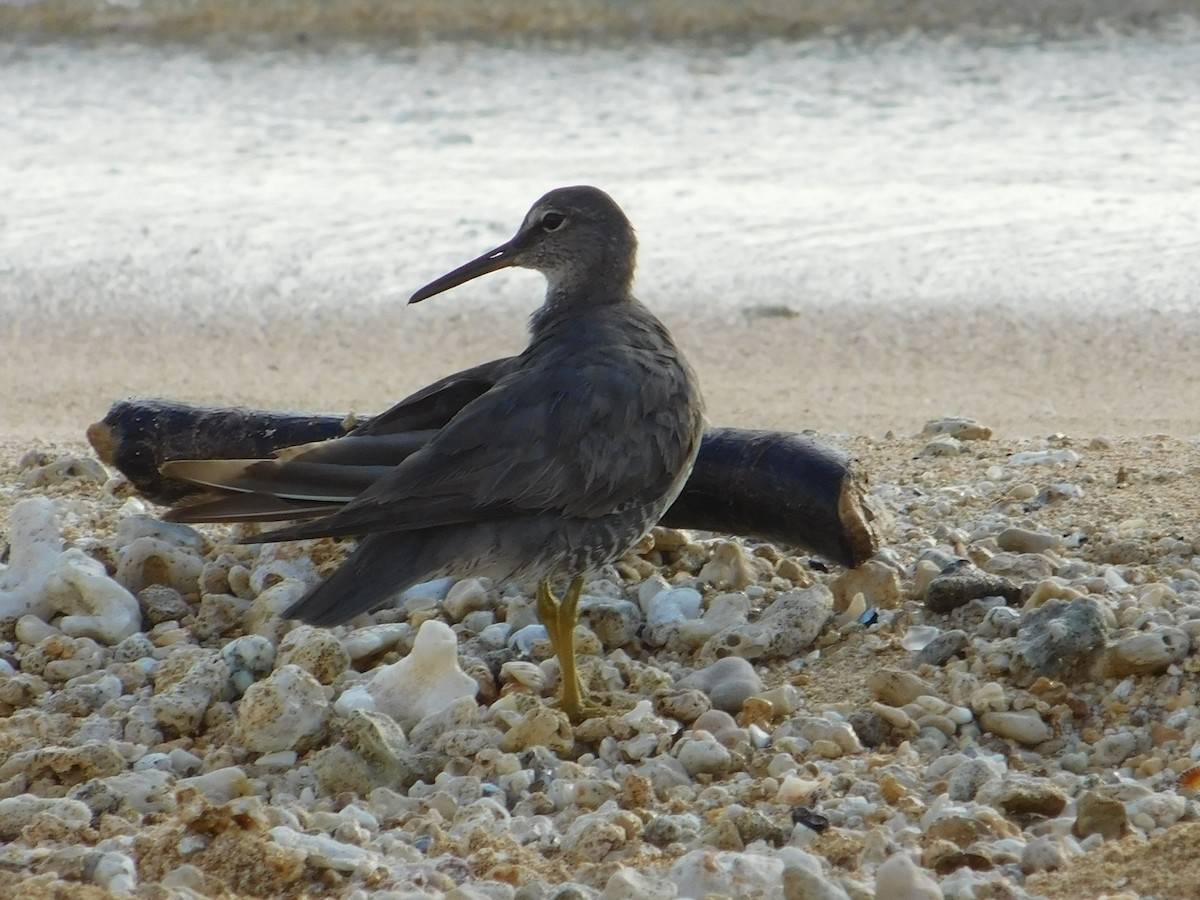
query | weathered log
(787,488)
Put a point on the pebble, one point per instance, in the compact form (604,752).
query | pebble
(151,560)
(1052,711)
(426,680)
(1058,639)
(20,812)
(942,648)
(786,628)
(1146,653)
(899,878)
(1097,814)
(960,427)
(728,682)
(1023,726)
(1022,540)
(287,710)
(703,755)
(950,591)
(316,651)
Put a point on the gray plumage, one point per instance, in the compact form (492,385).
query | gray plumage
(552,465)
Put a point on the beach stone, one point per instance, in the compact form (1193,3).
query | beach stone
(684,705)
(703,756)
(1024,726)
(942,446)
(1023,540)
(630,884)
(897,688)
(1114,749)
(899,878)
(286,711)
(1098,814)
(219,614)
(1024,796)
(1019,567)
(424,681)
(728,683)
(942,648)
(872,729)
(316,651)
(800,883)
(614,621)
(730,567)
(1058,639)
(160,603)
(966,780)
(34,546)
(786,628)
(181,707)
(374,640)
(96,606)
(18,813)
(1042,854)
(961,427)
(963,584)
(671,828)
(373,753)
(541,726)
(724,612)
(151,560)
(1145,653)
(702,873)
(878,582)
(466,596)
(249,658)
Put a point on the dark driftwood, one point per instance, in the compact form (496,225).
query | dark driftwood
(787,488)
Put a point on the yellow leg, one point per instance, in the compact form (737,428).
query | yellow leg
(560,617)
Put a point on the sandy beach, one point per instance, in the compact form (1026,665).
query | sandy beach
(850,371)
(850,238)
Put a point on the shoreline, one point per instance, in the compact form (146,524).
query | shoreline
(849,371)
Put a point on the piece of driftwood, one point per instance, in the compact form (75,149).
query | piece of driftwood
(787,488)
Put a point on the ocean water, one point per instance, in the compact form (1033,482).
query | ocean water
(163,156)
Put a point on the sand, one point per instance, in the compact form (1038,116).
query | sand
(856,370)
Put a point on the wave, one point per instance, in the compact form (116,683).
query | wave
(288,22)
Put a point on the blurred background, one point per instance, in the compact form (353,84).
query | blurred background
(851,213)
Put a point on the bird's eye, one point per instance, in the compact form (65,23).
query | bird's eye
(552,221)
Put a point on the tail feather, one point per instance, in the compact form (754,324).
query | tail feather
(219,507)
(382,566)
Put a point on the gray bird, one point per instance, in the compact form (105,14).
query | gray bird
(559,467)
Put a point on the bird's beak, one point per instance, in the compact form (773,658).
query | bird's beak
(501,258)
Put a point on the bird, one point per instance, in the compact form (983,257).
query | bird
(538,468)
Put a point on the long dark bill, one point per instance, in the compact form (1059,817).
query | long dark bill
(500,258)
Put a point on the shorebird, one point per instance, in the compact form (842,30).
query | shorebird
(556,467)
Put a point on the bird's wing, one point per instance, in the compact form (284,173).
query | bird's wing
(435,405)
(579,437)
(313,479)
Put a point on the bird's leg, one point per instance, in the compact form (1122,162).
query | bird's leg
(560,617)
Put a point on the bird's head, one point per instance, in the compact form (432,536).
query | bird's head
(576,236)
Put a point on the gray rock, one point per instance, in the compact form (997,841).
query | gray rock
(1098,814)
(1023,726)
(1022,540)
(961,427)
(958,587)
(1145,653)
(727,682)
(1023,796)
(966,780)
(1058,639)
(942,648)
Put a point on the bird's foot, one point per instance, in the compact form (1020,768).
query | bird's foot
(560,618)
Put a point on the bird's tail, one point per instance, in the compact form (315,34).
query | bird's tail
(385,564)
